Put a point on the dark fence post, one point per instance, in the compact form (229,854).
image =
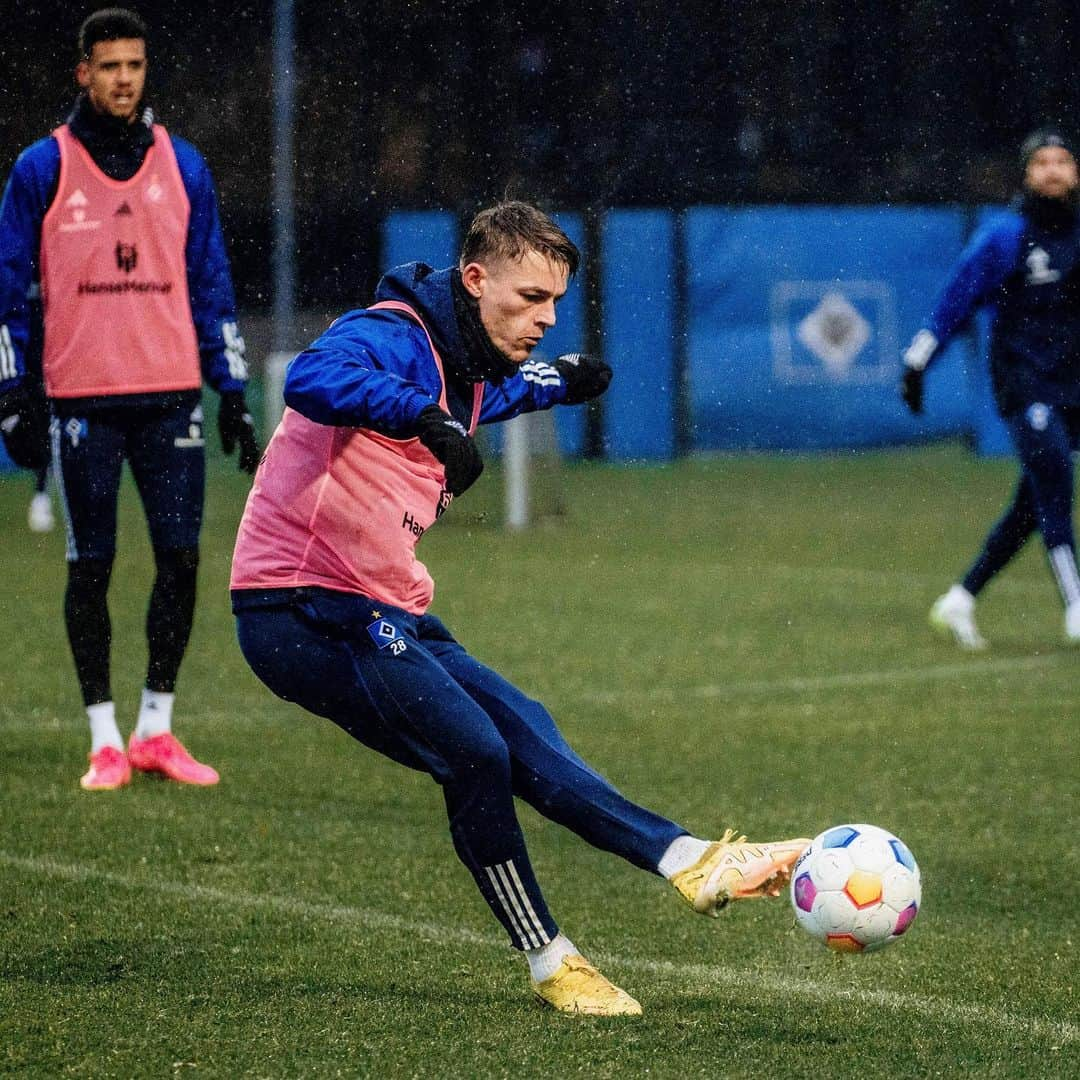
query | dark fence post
(682,412)
(594,324)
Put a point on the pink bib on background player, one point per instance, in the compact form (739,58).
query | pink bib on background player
(344,508)
(114,278)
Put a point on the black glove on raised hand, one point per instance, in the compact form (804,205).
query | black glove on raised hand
(450,443)
(911,389)
(236,426)
(24,424)
(586,377)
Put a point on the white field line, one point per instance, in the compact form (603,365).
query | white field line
(808,684)
(727,691)
(849,575)
(838,680)
(1057,1033)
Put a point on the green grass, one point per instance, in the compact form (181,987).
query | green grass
(733,641)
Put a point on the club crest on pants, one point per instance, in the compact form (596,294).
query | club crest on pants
(385,635)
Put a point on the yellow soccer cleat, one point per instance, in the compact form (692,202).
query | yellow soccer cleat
(732,869)
(578,988)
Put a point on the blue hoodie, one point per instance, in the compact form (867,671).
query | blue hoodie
(373,369)
(1026,270)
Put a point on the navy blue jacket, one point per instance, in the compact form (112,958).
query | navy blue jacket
(1025,267)
(373,369)
(30,189)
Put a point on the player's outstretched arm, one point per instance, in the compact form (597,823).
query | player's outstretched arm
(584,377)
(983,266)
(571,379)
(363,373)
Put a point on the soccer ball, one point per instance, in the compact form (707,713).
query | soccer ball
(856,887)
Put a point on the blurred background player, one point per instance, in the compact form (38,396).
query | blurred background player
(1024,264)
(119,222)
(331,601)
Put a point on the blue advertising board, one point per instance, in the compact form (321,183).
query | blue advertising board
(797,318)
(428,236)
(638,289)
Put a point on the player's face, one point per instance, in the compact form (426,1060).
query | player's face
(517,300)
(1051,171)
(114,76)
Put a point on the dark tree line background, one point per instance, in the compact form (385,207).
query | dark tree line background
(420,103)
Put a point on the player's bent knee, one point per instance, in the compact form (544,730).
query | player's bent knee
(488,761)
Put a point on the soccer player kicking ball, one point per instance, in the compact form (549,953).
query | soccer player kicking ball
(331,601)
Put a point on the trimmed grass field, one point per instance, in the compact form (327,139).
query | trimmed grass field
(734,641)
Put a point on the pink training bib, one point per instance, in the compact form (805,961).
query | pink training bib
(344,508)
(114,278)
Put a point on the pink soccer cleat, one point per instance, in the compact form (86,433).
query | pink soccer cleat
(109,769)
(165,754)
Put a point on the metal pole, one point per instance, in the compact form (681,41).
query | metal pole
(516,465)
(284,252)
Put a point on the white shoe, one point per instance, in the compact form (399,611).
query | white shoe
(40,516)
(954,613)
(1072,623)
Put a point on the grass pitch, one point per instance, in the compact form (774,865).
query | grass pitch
(734,641)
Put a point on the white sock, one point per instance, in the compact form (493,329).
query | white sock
(155,714)
(103,729)
(1063,563)
(681,854)
(545,961)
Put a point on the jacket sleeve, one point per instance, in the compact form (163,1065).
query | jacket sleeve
(364,372)
(982,268)
(22,210)
(537,385)
(213,303)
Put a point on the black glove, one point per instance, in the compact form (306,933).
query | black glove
(236,426)
(911,388)
(450,443)
(24,424)
(586,377)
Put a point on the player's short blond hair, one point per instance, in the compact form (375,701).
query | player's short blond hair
(510,230)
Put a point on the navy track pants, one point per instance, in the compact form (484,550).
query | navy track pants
(402,685)
(1045,437)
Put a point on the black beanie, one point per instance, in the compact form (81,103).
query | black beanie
(1040,137)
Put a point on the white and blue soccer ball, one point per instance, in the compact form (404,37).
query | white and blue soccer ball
(856,888)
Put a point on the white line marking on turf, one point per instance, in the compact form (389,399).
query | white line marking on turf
(837,681)
(713,691)
(872,578)
(1057,1032)
(852,576)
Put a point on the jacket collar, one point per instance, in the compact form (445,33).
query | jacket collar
(117,147)
(452,319)
(1051,215)
(100,129)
